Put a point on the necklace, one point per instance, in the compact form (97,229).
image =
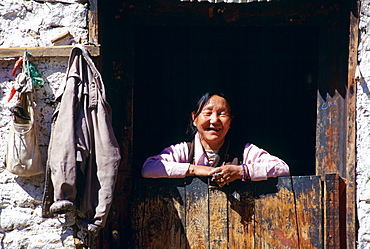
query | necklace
(211,155)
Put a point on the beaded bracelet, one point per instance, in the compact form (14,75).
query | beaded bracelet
(244,173)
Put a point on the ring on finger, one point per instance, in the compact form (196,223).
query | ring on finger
(222,179)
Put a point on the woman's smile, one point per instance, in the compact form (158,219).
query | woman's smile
(212,129)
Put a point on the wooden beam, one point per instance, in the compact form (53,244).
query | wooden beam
(275,215)
(334,226)
(308,207)
(93,22)
(197,213)
(351,128)
(218,217)
(241,215)
(50,51)
(333,98)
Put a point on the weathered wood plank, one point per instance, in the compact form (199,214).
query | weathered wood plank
(156,214)
(275,216)
(162,227)
(51,51)
(331,135)
(197,213)
(180,240)
(119,89)
(93,21)
(307,192)
(283,212)
(241,215)
(218,221)
(331,211)
(351,128)
(138,214)
(332,96)
(202,13)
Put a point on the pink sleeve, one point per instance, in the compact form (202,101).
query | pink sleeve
(170,163)
(261,165)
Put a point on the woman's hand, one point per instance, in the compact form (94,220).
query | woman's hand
(226,173)
(198,170)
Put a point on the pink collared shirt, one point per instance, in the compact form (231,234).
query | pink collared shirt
(172,162)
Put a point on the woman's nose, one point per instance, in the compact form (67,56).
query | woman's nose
(214,118)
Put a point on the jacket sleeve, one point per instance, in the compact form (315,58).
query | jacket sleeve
(170,163)
(262,165)
(62,145)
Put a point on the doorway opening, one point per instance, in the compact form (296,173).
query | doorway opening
(278,62)
(268,73)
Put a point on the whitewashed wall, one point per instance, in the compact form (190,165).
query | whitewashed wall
(33,24)
(363,129)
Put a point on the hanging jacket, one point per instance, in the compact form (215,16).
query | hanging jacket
(83,154)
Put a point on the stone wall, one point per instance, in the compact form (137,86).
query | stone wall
(363,128)
(34,24)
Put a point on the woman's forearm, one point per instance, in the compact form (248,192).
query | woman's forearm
(198,170)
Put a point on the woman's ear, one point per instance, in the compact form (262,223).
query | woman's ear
(193,118)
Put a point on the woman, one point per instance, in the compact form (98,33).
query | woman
(211,153)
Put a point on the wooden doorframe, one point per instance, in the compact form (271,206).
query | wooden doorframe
(351,219)
(121,92)
(336,124)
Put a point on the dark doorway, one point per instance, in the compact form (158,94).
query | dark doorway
(269,73)
(278,61)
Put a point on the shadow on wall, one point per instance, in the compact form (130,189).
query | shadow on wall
(34,187)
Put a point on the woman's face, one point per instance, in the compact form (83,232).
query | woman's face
(213,122)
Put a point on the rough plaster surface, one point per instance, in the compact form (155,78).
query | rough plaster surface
(21,223)
(35,24)
(23,24)
(363,129)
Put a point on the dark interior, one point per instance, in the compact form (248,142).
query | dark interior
(268,73)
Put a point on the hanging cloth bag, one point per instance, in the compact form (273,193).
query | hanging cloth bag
(23,156)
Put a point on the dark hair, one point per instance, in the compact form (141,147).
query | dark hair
(192,130)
